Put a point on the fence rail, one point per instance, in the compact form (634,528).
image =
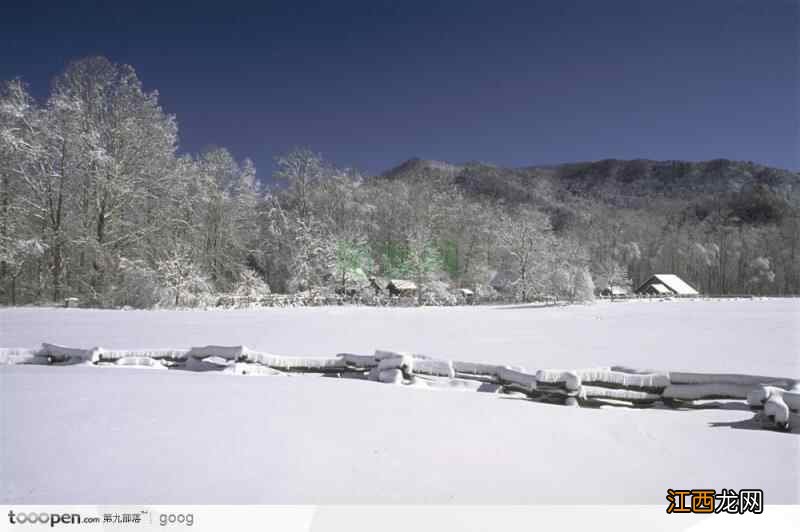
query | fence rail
(776,399)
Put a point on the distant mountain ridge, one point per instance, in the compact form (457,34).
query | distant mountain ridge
(636,177)
(737,191)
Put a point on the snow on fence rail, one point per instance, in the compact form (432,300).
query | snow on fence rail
(776,397)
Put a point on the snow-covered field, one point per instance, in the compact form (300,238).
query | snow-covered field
(81,434)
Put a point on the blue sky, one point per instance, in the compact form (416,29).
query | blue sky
(370,84)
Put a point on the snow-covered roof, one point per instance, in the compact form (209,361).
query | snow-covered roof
(616,290)
(380,282)
(660,288)
(401,284)
(675,284)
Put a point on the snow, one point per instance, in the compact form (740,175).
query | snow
(160,354)
(476,368)
(314,364)
(207,364)
(359,361)
(760,395)
(675,283)
(715,389)
(404,362)
(381,354)
(660,288)
(437,368)
(140,362)
(20,355)
(525,381)
(82,434)
(776,409)
(58,353)
(681,377)
(569,380)
(245,368)
(391,376)
(232,352)
(633,396)
(628,380)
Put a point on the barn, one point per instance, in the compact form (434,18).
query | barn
(378,284)
(399,287)
(666,284)
(614,291)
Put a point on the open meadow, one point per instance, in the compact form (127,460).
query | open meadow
(86,435)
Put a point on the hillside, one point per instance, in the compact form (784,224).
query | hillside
(727,226)
(638,177)
(751,192)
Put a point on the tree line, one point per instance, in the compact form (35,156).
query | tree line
(97,203)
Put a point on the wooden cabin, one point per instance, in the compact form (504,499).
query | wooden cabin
(666,284)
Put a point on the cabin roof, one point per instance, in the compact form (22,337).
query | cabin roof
(675,284)
(660,288)
(401,284)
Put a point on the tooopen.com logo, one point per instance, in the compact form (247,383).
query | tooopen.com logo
(44,518)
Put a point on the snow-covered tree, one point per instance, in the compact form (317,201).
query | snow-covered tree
(524,235)
(760,275)
(227,199)
(314,255)
(301,169)
(182,279)
(251,285)
(570,279)
(123,145)
(16,255)
(613,275)
(37,174)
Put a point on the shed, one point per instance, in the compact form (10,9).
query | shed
(467,294)
(400,287)
(656,289)
(666,284)
(614,291)
(378,284)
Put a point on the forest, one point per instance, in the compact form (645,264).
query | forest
(98,202)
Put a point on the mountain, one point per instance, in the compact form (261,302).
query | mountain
(751,192)
(631,177)
(415,167)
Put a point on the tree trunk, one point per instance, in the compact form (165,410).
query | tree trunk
(57,267)
(98,281)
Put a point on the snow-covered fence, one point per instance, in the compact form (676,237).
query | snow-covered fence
(57,354)
(242,354)
(776,397)
(776,402)
(140,362)
(620,384)
(589,392)
(654,382)
(517,379)
(476,370)
(614,385)
(61,354)
(299,299)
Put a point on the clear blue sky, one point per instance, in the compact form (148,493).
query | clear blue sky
(370,84)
